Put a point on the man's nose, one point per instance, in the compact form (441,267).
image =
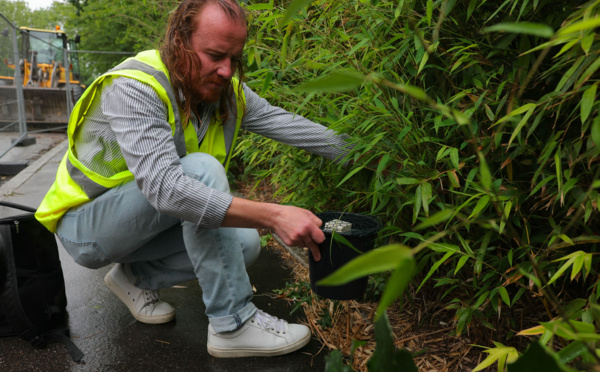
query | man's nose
(225,69)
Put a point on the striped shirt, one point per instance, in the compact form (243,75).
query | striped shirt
(139,133)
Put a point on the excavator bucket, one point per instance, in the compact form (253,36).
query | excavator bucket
(43,106)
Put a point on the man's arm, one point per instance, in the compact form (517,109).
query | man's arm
(295,226)
(280,125)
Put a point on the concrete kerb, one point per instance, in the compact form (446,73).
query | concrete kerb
(22,177)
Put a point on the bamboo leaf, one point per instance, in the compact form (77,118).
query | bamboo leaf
(454,157)
(565,239)
(586,24)
(429,11)
(437,218)
(583,331)
(471,8)
(397,284)
(587,42)
(342,240)
(375,261)
(533,331)
(577,265)
(295,7)
(489,113)
(481,204)
(536,358)
(571,351)
(505,215)
(444,247)
(461,263)
(527,28)
(484,172)
(426,193)
(417,204)
(596,132)
(587,102)
(562,269)
(435,267)
(350,174)
(338,81)
(423,62)
(407,181)
(557,165)
(504,295)
(525,108)
(383,163)
(568,76)
(521,124)
(541,184)
(500,353)
(587,263)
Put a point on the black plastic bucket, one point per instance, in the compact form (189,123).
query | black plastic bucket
(335,255)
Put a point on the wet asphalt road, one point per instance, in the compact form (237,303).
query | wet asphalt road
(113,340)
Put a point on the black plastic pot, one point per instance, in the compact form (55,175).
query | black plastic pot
(335,254)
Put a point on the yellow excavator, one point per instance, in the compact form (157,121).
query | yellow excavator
(43,70)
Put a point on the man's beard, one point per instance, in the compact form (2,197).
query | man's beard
(210,95)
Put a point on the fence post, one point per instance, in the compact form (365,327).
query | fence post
(23,139)
(68,80)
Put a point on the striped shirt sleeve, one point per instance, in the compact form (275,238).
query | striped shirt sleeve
(278,124)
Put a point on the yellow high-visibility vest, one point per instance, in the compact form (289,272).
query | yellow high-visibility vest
(76,184)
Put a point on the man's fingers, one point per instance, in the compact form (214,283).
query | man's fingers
(316,252)
(317,220)
(317,235)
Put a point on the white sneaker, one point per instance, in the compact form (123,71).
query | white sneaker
(261,335)
(145,305)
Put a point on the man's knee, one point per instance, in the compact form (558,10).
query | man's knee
(251,245)
(205,168)
(86,254)
(200,162)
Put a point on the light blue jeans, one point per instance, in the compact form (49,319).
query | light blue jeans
(121,226)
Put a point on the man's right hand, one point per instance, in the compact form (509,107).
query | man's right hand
(297,227)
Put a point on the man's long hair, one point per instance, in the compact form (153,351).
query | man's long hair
(180,58)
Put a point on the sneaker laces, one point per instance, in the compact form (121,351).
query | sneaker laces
(271,322)
(151,297)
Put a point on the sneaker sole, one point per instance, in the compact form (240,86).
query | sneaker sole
(250,352)
(116,290)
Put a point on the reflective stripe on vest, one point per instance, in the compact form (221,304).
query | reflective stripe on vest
(89,187)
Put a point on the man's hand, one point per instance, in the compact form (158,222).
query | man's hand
(297,227)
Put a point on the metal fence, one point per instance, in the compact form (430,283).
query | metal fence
(35,81)
(13,101)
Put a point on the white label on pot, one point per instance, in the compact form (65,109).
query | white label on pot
(338,226)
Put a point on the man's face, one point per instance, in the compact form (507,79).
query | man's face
(219,42)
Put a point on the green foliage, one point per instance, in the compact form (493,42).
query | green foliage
(501,354)
(117,26)
(264,239)
(537,358)
(476,129)
(386,356)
